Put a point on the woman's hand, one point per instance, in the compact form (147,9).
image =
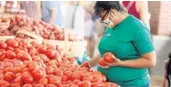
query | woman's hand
(86,64)
(111,60)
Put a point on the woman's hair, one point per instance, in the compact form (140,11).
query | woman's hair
(107,5)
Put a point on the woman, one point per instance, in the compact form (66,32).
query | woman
(128,39)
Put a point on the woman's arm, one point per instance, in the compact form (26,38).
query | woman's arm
(146,61)
(94,61)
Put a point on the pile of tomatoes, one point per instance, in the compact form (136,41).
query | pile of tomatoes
(40,28)
(24,64)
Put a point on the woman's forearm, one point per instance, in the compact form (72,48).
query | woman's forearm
(138,63)
(94,61)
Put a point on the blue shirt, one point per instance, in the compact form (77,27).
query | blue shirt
(46,11)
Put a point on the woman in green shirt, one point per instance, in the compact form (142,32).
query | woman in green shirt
(129,40)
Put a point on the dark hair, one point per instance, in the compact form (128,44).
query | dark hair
(107,5)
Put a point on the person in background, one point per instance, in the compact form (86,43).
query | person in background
(32,9)
(74,14)
(51,12)
(89,31)
(139,9)
(127,42)
(11,7)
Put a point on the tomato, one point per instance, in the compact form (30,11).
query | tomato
(2,54)
(85,84)
(76,75)
(15,85)
(58,72)
(86,64)
(43,81)
(42,48)
(9,76)
(64,78)
(38,85)
(10,54)
(108,58)
(17,69)
(97,78)
(3,45)
(32,51)
(8,64)
(13,43)
(26,56)
(9,48)
(54,80)
(50,53)
(18,79)
(109,84)
(103,64)
(49,69)
(27,85)
(36,58)
(44,57)
(37,74)
(51,85)
(4,83)
(27,78)
(17,63)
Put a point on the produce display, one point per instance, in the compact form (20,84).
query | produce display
(11,25)
(28,64)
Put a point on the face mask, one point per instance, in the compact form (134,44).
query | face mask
(108,23)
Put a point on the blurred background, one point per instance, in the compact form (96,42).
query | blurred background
(78,17)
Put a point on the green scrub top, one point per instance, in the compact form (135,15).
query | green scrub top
(127,41)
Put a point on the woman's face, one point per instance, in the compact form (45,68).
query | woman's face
(109,18)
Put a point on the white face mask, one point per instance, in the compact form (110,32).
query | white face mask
(108,23)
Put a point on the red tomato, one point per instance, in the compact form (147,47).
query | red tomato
(38,85)
(26,56)
(96,84)
(2,54)
(50,53)
(42,48)
(32,66)
(85,84)
(58,72)
(27,85)
(103,64)
(37,74)
(64,78)
(3,45)
(49,69)
(15,85)
(4,83)
(97,78)
(51,85)
(17,63)
(18,79)
(8,64)
(32,51)
(43,81)
(27,78)
(9,48)
(44,57)
(10,54)
(109,84)
(86,64)
(108,58)
(54,80)
(17,69)
(13,43)
(9,76)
